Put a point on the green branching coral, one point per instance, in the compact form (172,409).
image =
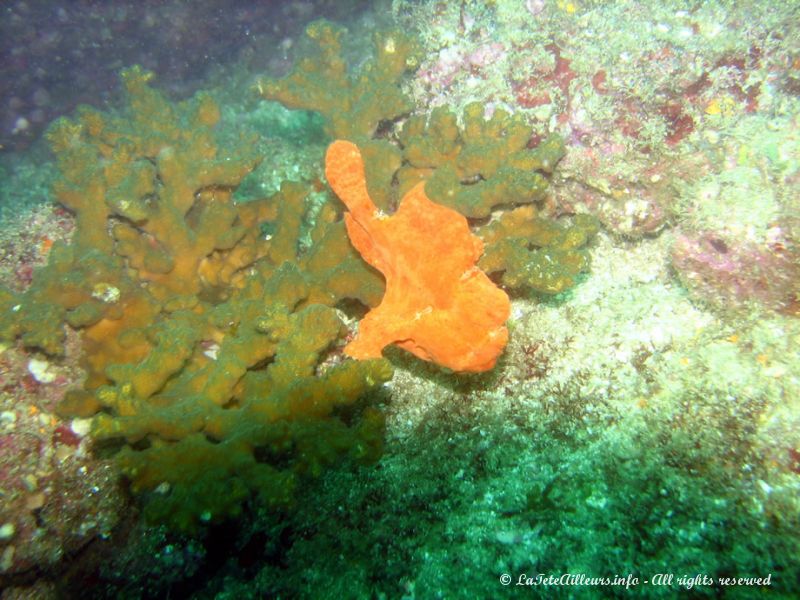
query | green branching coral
(533,253)
(150,193)
(479,167)
(484,168)
(210,346)
(221,419)
(352,104)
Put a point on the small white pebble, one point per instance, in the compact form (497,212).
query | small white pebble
(20,125)
(81,427)
(41,371)
(506,537)
(105,292)
(7,532)
(211,351)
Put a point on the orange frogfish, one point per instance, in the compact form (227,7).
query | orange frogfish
(438,304)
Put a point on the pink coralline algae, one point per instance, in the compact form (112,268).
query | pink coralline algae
(733,273)
(455,61)
(534,7)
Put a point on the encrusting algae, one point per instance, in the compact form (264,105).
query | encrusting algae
(438,305)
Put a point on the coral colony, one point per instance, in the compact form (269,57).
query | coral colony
(181,300)
(221,344)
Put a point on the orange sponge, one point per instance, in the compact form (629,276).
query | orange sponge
(438,304)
